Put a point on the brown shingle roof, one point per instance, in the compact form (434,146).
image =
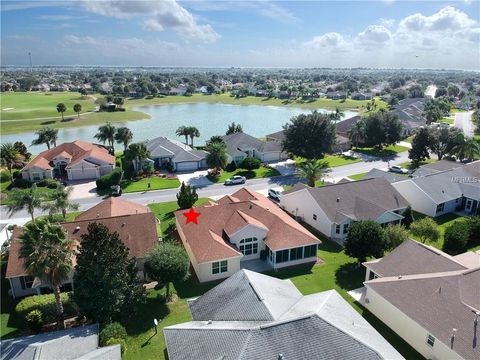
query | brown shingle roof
(15,264)
(112,206)
(77,150)
(206,237)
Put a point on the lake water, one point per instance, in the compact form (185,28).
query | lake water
(210,119)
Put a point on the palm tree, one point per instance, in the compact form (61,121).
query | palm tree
(183,131)
(215,139)
(234,128)
(312,170)
(42,137)
(61,201)
(77,108)
(357,133)
(29,199)
(107,133)
(137,153)
(468,148)
(10,157)
(52,135)
(217,155)
(47,255)
(61,108)
(193,133)
(124,136)
(337,115)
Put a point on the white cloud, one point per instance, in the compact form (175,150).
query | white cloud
(447,19)
(160,15)
(388,23)
(332,40)
(375,35)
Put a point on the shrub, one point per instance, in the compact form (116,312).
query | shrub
(46,304)
(395,235)
(148,168)
(121,342)
(114,330)
(110,179)
(4,176)
(425,229)
(49,183)
(231,167)
(456,238)
(473,224)
(34,320)
(250,163)
(21,183)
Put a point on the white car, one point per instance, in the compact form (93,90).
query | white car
(235,180)
(398,169)
(274,194)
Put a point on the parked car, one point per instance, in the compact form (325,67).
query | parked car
(274,194)
(235,180)
(398,169)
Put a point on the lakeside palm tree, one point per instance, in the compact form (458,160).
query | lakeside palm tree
(61,201)
(52,135)
(215,139)
(217,155)
(312,170)
(77,108)
(47,136)
(106,133)
(47,255)
(337,115)
(124,136)
(137,153)
(183,131)
(193,132)
(467,149)
(61,108)
(10,157)
(29,200)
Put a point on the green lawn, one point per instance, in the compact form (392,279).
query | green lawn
(358,176)
(156,183)
(340,160)
(262,172)
(388,151)
(446,120)
(409,139)
(5,201)
(408,165)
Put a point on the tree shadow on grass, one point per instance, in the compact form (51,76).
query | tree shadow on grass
(68,119)
(350,276)
(49,122)
(293,271)
(153,307)
(192,288)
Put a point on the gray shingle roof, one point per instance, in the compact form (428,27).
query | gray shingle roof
(317,326)
(443,165)
(389,176)
(238,142)
(164,147)
(410,111)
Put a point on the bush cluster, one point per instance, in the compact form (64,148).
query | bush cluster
(21,183)
(114,333)
(461,235)
(250,163)
(35,320)
(110,179)
(46,304)
(49,183)
(121,342)
(4,176)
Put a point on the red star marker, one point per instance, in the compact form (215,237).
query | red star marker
(191,216)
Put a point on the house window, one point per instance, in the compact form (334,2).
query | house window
(36,176)
(296,253)
(219,267)
(310,251)
(345,228)
(281,256)
(430,340)
(440,207)
(26,282)
(249,246)
(337,229)
(315,217)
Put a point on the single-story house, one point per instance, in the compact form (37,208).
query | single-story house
(336,95)
(410,113)
(254,316)
(69,344)
(361,96)
(240,227)
(78,160)
(429,298)
(179,90)
(332,208)
(434,193)
(241,145)
(391,177)
(166,152)
(134,223)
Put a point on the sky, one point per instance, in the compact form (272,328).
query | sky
(383,34)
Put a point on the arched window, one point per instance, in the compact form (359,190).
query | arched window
(249,246)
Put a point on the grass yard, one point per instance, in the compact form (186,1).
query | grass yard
(262,172)
(340,160)
(447,120)
(156,183)
(409,139)
(5,201)
(388,151)
(357,177)
(408,165)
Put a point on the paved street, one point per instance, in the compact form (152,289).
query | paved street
(463,121)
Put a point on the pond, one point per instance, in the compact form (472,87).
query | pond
(210,119)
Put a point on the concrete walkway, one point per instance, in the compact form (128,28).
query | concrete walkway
(359,295)
(463,121)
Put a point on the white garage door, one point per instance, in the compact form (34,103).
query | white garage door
(273,156)
(187,166)
(85,173)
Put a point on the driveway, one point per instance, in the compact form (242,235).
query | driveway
(463,121)
(197,179)
(83,190)
(286,167)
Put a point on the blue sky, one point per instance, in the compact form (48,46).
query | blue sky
(423,34)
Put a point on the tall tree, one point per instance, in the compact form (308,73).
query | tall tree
(106,133)
(310,135)
(425,229)
(124,136)
(61,202)
(29,200)
(52,135)
(364,239)
(193,132)
(167,263)
(106,281)
(186,197)
(444,139)
(119,101)
(382,129)
(419,151)
(217,156)
(432,111)
(22,149)
(61,108)
(137,153)
(47,254)
(215,139)
(77,108)
(234,128)
(467,148)
(42,137)
(312,170)
(183,131)
(357,133)
(10,157)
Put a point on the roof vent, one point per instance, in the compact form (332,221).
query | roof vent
(123,224)
(250,206)
(209,322)
(268,209)
(281,357)
(77,228)
(399,276)
(338,199)
(98,215)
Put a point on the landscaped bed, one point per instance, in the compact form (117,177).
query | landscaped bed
(262,172)
(388,151)
(156,183)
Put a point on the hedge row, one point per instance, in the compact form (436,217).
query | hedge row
(110,179)
(46,304)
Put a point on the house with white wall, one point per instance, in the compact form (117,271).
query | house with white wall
(241,227)
(441,192)
(429,298)
(241,145)
(331,209)
(78,160)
